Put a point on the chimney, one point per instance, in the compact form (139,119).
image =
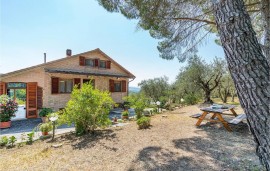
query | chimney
(68,52)
(44,58)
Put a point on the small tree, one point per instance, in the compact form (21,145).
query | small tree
(88,109)
(138,102)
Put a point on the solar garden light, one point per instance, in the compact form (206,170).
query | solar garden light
(53,119)
(158,104)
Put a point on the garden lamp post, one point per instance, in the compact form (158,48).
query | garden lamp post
(158,104)
(53,119)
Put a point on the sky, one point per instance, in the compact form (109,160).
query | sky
(30,28)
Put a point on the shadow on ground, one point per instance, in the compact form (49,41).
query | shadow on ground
(89,140)
(219,150)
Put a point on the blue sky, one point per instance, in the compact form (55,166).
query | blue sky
(29,28)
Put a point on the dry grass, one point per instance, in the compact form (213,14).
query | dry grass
(172,143)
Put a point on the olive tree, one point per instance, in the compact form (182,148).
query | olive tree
(88,109)
(182,25)
(155,88)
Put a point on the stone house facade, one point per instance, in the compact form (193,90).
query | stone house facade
(50,84)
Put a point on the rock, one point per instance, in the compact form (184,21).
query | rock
(57,145)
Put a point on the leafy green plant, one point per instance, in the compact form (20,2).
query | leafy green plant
(8,108)
(45,112)
(138,102)
(12,140)
(30,138)
(46,127)
(125,113)
(4,141)
(88,109)
(143,122)
(191,99)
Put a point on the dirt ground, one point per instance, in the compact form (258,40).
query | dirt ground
(172,143)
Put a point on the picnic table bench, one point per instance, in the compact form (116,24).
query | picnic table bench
(217,113)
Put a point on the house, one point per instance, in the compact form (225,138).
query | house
(50,84)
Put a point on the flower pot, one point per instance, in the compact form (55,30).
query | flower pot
(45,133)
(124,117)
(5,124)
(44,119)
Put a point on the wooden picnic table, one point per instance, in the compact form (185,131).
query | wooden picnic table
(217,113)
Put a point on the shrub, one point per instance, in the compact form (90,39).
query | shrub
(143,122)
(8,108)
(45,112)
(30,138)
(88,109)
(12,140)
(138,102)
(4,141)
(46,127)
(191,99)
(125,113)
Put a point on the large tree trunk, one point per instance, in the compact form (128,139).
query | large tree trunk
(207,97)
(249,70)
(265,10)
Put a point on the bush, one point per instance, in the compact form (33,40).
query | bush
(191,99)
(12,140)
(46,127)
(143,122)
(125,113)
(138,102)
(8,108)
(4,141)
(45,112)
(88,109)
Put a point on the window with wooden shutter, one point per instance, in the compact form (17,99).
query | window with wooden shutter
(77,81)
(108,64)
(111,85)
(124,85)
(96,62)
(2,88)
(39,97)
(82,61)
(55,85)
(31,105)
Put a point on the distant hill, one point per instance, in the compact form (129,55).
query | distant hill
(134,89)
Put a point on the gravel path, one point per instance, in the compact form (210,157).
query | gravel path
(172,143)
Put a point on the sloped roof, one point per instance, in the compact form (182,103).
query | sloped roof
(129,74)
(80,72)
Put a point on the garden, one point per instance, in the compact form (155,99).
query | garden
(152,140)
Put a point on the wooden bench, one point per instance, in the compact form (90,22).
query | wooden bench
(238,119)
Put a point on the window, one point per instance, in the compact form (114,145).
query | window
(102,64)
(65,86)
(89,62)
(117,86)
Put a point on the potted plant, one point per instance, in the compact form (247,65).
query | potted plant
(44,113)
(125,114)
(45,128)
(8,108)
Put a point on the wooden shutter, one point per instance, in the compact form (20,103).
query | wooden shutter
(31,100)
(77,81)
(124,85)
(111,84)
(82,61)
(108,64)
(96,62)
(55,85)
(39,97)
(2,88)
